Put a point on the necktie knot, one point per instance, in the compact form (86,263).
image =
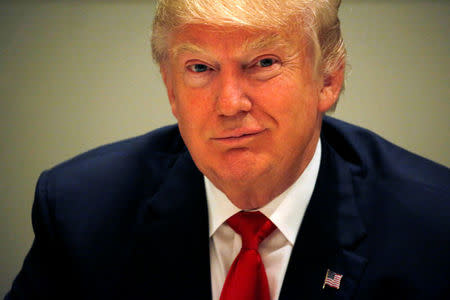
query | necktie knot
(253,227)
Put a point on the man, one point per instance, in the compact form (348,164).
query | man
(344,213)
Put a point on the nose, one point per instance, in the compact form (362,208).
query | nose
(231,97)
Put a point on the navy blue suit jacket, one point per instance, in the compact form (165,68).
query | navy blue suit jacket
(129,221)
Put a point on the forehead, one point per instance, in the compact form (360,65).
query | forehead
(196,38)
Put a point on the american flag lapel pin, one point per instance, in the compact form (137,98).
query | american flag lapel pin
(332,279)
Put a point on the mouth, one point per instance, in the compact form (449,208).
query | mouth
(239,137)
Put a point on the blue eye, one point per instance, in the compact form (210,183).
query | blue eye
(266,62)
(198,68)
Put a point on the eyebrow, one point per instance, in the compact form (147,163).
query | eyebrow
(273,40)
(262,42)
(186,47)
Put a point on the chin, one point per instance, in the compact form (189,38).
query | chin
(238,175)
(236,168)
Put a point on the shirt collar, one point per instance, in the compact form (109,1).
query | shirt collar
(286,211)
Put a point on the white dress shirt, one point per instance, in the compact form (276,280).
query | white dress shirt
(285,211)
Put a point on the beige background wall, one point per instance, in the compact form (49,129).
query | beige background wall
(76,74)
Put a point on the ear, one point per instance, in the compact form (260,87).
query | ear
(331,87)
(168,82)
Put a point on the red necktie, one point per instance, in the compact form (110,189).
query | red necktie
(247,278)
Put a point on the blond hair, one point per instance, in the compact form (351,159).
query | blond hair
(317,19)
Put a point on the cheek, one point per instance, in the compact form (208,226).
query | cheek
(288,103)
(294,109)
(301,102)
(194,114)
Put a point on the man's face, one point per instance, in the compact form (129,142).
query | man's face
(248,105)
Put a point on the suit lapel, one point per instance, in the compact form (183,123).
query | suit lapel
(330,232)
(171,253)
